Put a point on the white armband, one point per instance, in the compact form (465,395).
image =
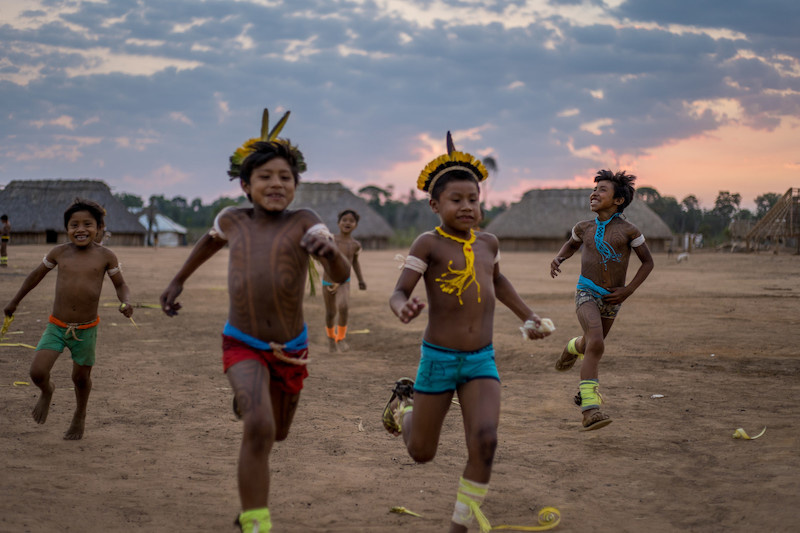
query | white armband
(215,230)
(321,230)
(412,263)
(497,257)
(574,235)
(48,264)
(116,270)
(638,241)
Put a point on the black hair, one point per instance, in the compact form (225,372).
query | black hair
(266,151)
(453,175)
(4,218)
(348,212)
(82,204)
(623,185)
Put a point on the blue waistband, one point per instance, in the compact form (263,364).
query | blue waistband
(428,348)
(298,343)
(329,284)
(585,284)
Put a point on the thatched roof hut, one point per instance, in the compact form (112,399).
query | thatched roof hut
(543,219)
(330,199)
(35,210)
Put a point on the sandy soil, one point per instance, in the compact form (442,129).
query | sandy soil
(717,336)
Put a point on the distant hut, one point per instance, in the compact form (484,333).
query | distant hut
(780,226)
(166,232)
(35,209)
(330,199)
(543,219)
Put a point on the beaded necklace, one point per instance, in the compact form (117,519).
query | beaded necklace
(605,249)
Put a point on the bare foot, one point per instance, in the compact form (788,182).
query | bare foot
(331,345)
(43,405)
(343,346)
(75,431)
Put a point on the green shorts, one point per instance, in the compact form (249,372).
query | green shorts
(81,349)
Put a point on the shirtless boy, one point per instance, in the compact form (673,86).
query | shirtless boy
(337,295)
(82,266)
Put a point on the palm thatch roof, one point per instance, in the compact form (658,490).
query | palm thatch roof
(781,223)
(35,206)
(550,214)
(330,199)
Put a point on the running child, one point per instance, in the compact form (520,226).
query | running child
(607,243)
(337,295)
(461,272)
(5,237)
(265,340)
(82,266)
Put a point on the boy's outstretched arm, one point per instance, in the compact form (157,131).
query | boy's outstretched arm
(28,285)
(508,296)
(566,251)
(362,285)
(123,294)
(620,294)
(333,260)
(206,247)
(401,303)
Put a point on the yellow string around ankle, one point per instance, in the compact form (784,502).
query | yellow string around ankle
(457,281)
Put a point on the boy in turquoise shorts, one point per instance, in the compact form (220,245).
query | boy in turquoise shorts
(83,265)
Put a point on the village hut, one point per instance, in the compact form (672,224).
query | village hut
(330,199)
(166,232)
(35,209)
(780,226)
(543,219)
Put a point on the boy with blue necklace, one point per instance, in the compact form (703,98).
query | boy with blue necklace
(607,243)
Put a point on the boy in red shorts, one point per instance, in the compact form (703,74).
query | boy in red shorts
(265,342)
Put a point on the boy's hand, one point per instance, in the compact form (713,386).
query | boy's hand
(126,309)
(412,308)
(332,288)
(9,309)
(319,245)
(617,295)
(362,286)
(536,332)
(168,303)
(554,266)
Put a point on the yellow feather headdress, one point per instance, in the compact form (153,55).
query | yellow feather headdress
(267,135)
(452,160)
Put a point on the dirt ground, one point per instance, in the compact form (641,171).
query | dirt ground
(717,336)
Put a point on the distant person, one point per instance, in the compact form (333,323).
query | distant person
(5,237)
(265,340)
(83,265)
(461,272)
(337,295)
(607,243)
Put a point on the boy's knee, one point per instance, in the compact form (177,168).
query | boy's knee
(483,443)
(258,430)
(421,454)
(38,375)
(81,381)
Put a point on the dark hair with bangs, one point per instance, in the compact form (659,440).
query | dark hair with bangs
(623,185)
(266,151)
(348,212)
(82,204)
(453,175)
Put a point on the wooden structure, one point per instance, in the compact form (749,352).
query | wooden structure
(780,226)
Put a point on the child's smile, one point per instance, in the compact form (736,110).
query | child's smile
(82,228)
(272,185)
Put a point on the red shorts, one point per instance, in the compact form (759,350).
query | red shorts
(286,376)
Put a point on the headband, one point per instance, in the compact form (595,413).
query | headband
(452,160)
(269,136)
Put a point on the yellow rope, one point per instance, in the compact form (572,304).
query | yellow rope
(457,281)
(6,323)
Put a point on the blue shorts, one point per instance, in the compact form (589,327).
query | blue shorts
(443,370)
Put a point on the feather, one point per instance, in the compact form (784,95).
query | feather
(278,127)
(450,146)
(265,125)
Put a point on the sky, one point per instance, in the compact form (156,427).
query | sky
(152,96)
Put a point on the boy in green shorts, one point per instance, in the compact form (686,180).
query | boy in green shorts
(73,323)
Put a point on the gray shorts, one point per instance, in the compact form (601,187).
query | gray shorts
(607,310)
